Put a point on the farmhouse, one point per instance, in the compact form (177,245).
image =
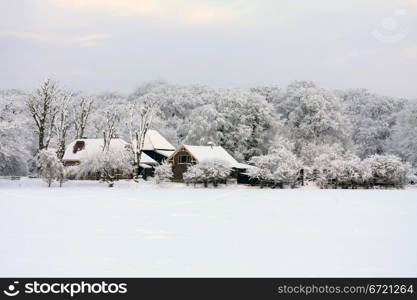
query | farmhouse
(187,155)
(81,149)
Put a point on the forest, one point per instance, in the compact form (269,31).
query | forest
(279,129)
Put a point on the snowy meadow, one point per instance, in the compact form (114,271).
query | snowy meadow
(87,229)
(283,136)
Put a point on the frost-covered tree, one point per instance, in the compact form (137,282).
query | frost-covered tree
(203,126)
(372,117)
(16,140)
(288,167)
(279,142)
(104,104)
(50,167)
(265,167)
(312,115)
(142,111)
(339,169)
(313,154)
(82,110)
(403,141)
(163,172)
(278,168)
(107,163)
(241,122)
(42,105)
(63,122)
(270,92)
(387,170)
(110,128)
(259,118)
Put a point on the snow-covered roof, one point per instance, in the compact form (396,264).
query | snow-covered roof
(145,166)
(91,147)
(166,153)
(94,146)
(244,166)
(202,153)
(154,140)
(146,159)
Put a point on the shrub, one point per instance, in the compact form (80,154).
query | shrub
(50,168)
(163,172)
(278,168)
(210,171)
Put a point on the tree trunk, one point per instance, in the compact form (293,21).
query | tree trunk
(41,138)
(61,150)
(138,155)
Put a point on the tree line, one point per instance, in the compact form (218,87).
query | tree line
(295,125)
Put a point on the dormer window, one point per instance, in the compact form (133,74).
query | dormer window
(79,145)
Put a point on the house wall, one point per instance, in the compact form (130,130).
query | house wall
(178,169)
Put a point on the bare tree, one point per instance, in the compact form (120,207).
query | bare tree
(43,109)
(141,115)
(81,114)
(109,132)
(62,123)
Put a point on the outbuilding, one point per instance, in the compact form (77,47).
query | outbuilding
(187,155)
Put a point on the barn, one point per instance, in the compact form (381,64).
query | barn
(156,146)
(187,155)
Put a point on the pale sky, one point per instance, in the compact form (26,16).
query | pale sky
(98,45)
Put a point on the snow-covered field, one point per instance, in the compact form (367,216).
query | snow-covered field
(87,229)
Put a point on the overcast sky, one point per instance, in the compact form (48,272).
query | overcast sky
(98,45)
